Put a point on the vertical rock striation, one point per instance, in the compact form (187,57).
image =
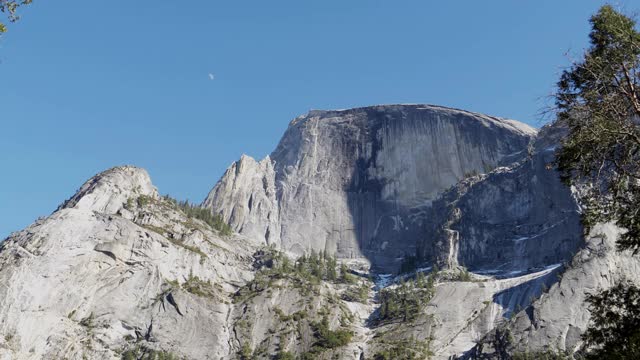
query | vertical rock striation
(510,221)
(247,193)
(346,180)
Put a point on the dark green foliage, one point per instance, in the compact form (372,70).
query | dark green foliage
(196,286)
(615,329)
(405,350)
(192,211)
(141,352)
(462,275)
(206,215)
(543,355)
(329,339)
(359,293)
(406,301)
(345,276)
(331,272)
(245,353)
(598,100)
(284,355)
(10,7)
(307,356)
(143,200)
(296,316)
(306,273)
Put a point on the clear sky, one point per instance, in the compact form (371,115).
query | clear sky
(87,85)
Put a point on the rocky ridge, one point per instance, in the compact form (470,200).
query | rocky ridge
(118,271)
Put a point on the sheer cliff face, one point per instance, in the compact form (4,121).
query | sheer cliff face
(510,220)
(345,181)
(247,194)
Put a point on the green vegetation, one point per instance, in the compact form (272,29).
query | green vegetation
(143,200)
(284,355)
(405,301)
(615,329)
(195,249)
(196,286)
(141,352)
(276,270)
(191,211)
(174,241)
(598,101)
(408,349)
(345,276)
(329,339)
(462,275)
(296,316)
(245,353)
(544,355)
(306,273)
(359,293)
(10,7)
(206,215)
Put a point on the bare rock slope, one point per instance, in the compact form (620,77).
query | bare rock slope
(104,273)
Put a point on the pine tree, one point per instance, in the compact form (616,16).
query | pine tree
(598,101)
(332,275)
(10,7)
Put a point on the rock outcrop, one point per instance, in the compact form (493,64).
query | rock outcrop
(109,191)
(247,193)
(555,321)
(345,181)
(103,274)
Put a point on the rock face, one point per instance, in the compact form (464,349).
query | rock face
(557,318)
(345,181)
(512,220)
(95,277)
(108,191)
(247,193)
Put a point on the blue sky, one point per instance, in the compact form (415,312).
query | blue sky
(87,85)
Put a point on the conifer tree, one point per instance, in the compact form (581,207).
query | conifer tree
(598,102)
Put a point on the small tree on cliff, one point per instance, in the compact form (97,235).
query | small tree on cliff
(598,100)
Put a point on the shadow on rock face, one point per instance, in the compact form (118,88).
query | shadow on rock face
(383,183)
(407,158)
